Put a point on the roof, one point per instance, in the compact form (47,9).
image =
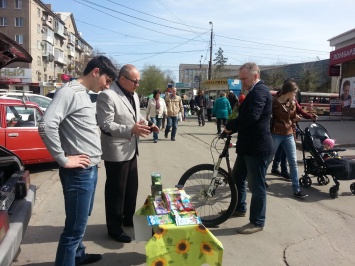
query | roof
(11,51)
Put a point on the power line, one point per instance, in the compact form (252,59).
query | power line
(94,4)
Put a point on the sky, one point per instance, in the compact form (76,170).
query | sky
(166,33)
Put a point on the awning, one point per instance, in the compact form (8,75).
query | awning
(342,55)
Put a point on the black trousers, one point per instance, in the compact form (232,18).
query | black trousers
(121,191)
(219,120)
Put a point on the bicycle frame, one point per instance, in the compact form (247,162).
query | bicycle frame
(225,154)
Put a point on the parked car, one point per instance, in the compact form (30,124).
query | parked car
(41,100)
(19,131)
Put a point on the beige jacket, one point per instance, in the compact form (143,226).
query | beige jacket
(174,105)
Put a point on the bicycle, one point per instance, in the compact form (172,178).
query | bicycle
(212,190)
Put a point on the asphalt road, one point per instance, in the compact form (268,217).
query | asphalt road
(315,231)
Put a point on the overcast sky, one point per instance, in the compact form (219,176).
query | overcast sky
(167,33)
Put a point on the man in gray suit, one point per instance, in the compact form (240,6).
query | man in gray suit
(121,124)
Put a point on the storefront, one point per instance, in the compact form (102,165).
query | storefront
(342,69)
(12,79)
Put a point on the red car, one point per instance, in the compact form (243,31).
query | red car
(19,131)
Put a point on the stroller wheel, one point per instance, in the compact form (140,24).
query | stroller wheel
(333,192)
(305,181)
(321,180)
(326,180)
(352,188)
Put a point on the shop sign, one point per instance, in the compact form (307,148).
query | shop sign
(216,82)
(342,55)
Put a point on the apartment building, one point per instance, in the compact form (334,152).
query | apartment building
(51,38)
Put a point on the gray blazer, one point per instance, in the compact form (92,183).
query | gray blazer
(116,117)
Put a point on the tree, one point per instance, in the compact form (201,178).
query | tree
(274,78)
(220,62)
(153,78)
(309,79)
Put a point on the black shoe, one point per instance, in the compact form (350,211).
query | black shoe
(173,139)
(123,237)
(203,123)
(300,195)
(199,124)
(286,175)
(166,135)
(276,172)
(267,185)
(90,258)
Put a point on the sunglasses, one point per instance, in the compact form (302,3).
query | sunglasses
(135,82)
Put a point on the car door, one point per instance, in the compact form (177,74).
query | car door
(21,134)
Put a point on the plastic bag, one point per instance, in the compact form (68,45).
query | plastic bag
(179,117)
(189,113)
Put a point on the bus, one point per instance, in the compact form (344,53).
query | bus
(317,102)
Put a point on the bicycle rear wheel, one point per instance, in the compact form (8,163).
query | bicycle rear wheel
(218,208)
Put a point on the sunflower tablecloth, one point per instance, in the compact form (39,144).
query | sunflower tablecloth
(191,245)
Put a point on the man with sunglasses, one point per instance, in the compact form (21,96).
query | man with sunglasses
(70,133)
(121,124)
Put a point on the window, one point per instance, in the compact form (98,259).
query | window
(18,22)
(18,4)
(38,12)
(3,21)
(38,28)
(19,116)
(3,3)
(39,45)
(19,39)
(39,60)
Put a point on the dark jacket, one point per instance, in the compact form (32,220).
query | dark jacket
(197,101)
(253,123)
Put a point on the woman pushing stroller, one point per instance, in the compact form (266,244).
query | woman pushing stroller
(284,118)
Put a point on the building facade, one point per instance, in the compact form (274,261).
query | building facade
(51,38)
(342,68)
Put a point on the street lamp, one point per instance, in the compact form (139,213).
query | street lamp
(199,79)
(210,64)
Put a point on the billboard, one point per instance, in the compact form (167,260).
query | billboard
(347,93)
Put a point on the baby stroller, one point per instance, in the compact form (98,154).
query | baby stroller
(338,168)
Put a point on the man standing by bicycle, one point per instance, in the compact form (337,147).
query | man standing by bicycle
(254,147)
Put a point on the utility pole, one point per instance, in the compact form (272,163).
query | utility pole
(199,79)
(210,64)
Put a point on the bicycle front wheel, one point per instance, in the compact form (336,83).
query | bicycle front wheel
(216,209)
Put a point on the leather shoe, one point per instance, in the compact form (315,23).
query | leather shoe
(286,175)
(276,172)
(90,258)
(123,237)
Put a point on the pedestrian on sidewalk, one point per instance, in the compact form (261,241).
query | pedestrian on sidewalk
(284,118)
(221,110)
(185,103)
(280,155)
(254,147)
(209,106)
(156,110)
(121,124)
(200,107)
(71,135)
(174,106)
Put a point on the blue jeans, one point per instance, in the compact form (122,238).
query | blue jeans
(280,157)
(79,191)
(288,144)
(172,121)
(157,121)
(253,167)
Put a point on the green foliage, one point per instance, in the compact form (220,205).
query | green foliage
(273,79)
(233,115)
(153,78)
(220,62)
